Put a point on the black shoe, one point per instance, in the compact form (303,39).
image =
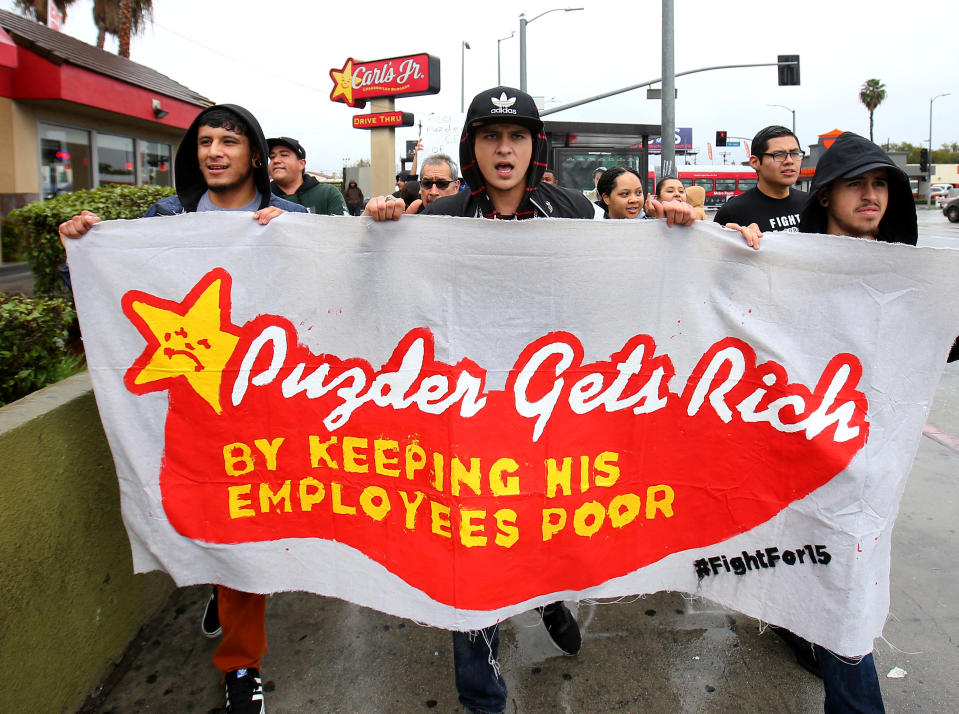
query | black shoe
(562,627)
(244,692)
(210,624)
(805,655)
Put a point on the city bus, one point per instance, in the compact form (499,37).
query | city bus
(720,182)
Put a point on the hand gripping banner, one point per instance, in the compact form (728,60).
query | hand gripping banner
(454,420)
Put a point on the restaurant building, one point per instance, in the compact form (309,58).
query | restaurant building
(73,116)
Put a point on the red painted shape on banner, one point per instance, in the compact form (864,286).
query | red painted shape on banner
(570,476)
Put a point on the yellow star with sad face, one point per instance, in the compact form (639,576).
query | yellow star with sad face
(192,339)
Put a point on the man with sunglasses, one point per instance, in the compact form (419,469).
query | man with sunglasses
(437,178)
(774,205)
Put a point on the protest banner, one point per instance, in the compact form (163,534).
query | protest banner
(454,420)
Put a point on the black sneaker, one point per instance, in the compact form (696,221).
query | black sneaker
(562,627)
(210,624)
(802,648)
(244,692)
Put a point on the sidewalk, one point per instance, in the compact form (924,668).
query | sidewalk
(16,278)
(663,653)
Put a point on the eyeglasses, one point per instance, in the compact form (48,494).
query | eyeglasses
(780,156)
(441,184)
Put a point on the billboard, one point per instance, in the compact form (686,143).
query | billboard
(684,141)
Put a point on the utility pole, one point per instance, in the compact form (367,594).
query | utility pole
(668,157)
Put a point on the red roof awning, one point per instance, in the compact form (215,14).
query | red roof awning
(38,78)
(8,51)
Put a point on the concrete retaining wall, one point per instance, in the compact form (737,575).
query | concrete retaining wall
(69,601)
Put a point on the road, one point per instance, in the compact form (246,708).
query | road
(935,230)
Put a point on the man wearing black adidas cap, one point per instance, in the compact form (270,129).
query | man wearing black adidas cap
(290,180)
(503,156)
(503,153)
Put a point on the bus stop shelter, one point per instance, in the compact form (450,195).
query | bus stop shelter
(577,149)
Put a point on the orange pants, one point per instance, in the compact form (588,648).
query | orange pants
(243,619)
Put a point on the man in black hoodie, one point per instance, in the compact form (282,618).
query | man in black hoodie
(503,153)
(858,191)
(221,166)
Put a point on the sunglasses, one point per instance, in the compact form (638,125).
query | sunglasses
(441,184)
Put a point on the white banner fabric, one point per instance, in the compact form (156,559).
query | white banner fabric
(666,408)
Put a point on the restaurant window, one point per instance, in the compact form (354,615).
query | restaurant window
(115,160)
(155,164)
(64,160)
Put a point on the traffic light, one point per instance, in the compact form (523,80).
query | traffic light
(924,160)
(788,73)
(720,138)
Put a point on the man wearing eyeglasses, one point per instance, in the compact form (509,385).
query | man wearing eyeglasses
(437,178)
(773,205)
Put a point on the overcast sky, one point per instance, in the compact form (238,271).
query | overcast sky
(274,58)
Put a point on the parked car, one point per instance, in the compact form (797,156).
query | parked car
(940,187)
(950,209)
(943,197)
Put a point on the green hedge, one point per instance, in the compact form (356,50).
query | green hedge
(33,344)
(34,228)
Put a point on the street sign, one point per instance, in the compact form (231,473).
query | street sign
(374,121)
(732,143)
(658,93)
(407,76)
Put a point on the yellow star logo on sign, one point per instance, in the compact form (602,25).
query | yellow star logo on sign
(192,339)
(343,83)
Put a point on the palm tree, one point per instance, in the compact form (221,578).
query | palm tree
(122,19)
(37,9)
(871,94)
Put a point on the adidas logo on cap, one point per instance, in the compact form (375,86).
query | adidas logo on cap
(503,105)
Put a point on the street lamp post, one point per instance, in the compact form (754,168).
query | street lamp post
(929,166)
(523,22)
(463,47)
(782,106)
(499,74)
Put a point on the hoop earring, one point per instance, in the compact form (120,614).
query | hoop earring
(257,163)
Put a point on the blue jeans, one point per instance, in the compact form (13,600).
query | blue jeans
(850,688)
(480,686)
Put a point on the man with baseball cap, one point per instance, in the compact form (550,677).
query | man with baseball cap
(503,155)
(290,180)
